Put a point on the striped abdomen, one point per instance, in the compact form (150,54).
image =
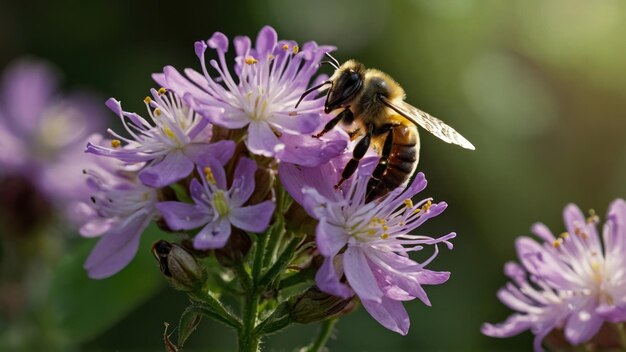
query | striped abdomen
(397,162)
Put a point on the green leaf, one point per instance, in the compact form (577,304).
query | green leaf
(84,307)
(189,321)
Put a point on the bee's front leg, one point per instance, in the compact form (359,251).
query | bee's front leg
(344,115)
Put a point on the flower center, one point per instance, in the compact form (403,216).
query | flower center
(220,204)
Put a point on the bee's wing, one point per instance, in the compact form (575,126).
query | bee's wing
(429,122)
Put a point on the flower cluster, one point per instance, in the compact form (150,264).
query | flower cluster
(223,157)
(575,282)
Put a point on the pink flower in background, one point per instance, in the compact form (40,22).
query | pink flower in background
(575,281)
(42,132)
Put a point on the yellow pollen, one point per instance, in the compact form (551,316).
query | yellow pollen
(564,235)
(208,173)
(424,207)
(147,100)
(168,132)
(371,232)
(577,231)
(251,60)
(401,223)
(385,228)
(270,57)
(408,203)
(384,236)
(157,111)
(557,243)
(285,47)
(115,143)
(296,49)
(162,91)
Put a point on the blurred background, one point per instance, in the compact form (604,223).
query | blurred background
(538,86)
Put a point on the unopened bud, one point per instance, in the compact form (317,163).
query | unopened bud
(314,305)
(178,265)
(235,249)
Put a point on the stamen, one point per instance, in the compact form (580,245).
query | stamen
(162,91)
(371,232)
(384,236)
(208,173)
(408,203)
(168,132)
(147,100)
(564,235)
(424,207)
(557,243)
(285,47)
(116,143)
(157,111)
(296,49)
(251,60)
(593,218)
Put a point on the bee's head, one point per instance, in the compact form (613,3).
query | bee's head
(347,81)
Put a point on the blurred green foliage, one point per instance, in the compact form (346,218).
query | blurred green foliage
(538,86)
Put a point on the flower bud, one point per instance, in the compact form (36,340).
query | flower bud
(179,266)
(314,305)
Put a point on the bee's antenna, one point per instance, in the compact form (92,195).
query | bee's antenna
(311,90)
(331,64)
(332,58)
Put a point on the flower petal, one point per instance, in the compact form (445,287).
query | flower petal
(583,324)
(389,313)
(328,281)
(300,124)
(305,150)
(254,218)
(262,140)
(213,235)
(512,326)
(174,167)
(329,238)
(222,151)
(243,182)
(117,247)
(266,41)
(184,216)
(360,276)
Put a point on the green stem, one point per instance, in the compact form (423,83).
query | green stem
(280,263)
(622,334)
(323,336)
(248,340)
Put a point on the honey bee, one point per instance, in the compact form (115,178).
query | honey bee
(374,102)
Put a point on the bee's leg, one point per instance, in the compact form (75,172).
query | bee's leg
(354,134)
(346,114)
(383,162)
(359,151)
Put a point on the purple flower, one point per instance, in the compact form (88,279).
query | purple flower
(572,281)
(216,207)
(175,139)
(368,243)
(270,78)
(42,132)
(119,210)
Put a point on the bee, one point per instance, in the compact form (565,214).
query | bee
(374,102)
